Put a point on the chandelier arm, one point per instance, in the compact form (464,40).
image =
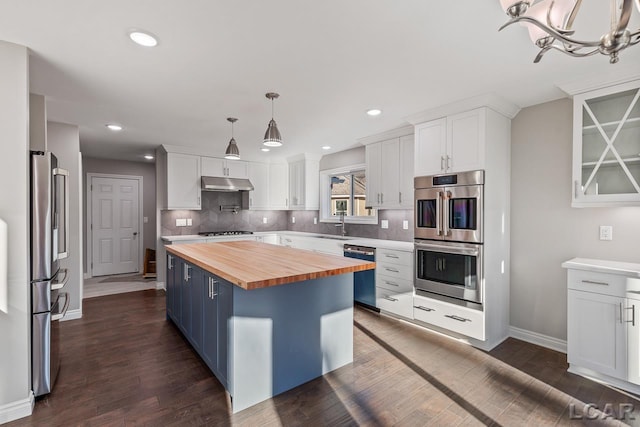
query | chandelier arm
(573,52)
(625,15)
(553,32)
(541,53)
(574,13)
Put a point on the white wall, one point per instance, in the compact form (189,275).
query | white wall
(15,326)
(545,230)
(63,140)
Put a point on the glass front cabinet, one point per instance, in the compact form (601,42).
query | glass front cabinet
(606,146)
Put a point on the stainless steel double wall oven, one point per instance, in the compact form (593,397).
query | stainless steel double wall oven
(449,237)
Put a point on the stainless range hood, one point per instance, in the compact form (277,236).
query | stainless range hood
(217,183)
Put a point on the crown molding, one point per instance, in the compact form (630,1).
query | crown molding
(389,134)
(489,100)
(598,81)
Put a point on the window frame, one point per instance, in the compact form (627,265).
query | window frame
(325,196)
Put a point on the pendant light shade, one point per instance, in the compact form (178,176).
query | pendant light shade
(272,137)
(232,152)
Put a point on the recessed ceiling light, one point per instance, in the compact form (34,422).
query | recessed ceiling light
(326,147)
(148,157)
(374,112)
(143,38)
(114,127)
(265,149)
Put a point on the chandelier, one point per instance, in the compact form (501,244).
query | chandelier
(550,21)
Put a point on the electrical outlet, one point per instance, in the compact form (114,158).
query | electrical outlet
(315,220)
(293,220)
(181,222)
(384,223)
(145,219)
(264,219)
(405,225)
(606,232)
(189,222)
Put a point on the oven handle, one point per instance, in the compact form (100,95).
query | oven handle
(439,213)
(447,249)
(446,195)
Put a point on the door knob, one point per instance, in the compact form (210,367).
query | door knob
(135,233)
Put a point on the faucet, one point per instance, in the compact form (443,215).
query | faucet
(343,231)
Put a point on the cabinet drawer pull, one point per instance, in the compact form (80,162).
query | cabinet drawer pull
(633,314)
(388,298)
(170,266)
(393,270)
(391,283)
(458,318)
(591,282)
(391,256)
(423,308)
(186,273)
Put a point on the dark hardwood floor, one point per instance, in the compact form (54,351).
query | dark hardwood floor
(124,364)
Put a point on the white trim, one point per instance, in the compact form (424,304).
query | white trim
(325,176)
(160,285)
(605,380)
(139,178)
(538,339)
(492,101)
(18,409)
(393,133)
(577,86)
(72,315)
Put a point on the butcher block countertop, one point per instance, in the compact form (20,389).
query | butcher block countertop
(254,265)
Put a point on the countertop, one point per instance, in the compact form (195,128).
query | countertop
(376,243)
(628,269)
(253,265)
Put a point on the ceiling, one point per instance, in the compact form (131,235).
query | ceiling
(330,61)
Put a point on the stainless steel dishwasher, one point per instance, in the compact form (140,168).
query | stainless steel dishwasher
(364,282)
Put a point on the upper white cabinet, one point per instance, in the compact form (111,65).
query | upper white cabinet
(389,173)
(606,146)
(183,181)
(259,177)
(304,183)
(212,166)
(455,143)
(278,186)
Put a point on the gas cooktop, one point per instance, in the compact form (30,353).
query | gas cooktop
(224,233)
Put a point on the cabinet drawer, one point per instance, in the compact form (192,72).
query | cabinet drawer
(396,303)
(462,320)
(390,256)
(394,284)
(600,283)
(394,271)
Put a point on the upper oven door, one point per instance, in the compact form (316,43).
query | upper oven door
(462,214)
(428,213)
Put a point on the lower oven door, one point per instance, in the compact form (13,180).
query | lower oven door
(450,269)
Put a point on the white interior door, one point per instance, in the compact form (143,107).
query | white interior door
(114,225)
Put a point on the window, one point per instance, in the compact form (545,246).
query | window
(343,192)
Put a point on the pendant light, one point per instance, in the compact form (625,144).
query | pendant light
(232,152)
(272,136)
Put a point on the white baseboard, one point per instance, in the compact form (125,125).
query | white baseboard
(18,409)
(72,315)
(160,285)
(86,276)
(538,339)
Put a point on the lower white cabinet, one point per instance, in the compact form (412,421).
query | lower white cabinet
(394,282)
(455,318)
(603,321)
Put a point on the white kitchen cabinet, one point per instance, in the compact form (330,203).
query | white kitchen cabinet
(389,171)
(606,146)
(259,177)
(456,143)
(278,186)
(212,166)
(304,184)
(394,282)
(603,323)
(183,181)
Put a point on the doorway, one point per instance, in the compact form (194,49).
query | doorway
(114,226)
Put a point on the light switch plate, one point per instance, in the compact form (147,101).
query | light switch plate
(145,219)
(606,232)
(384,223)
(182,222)
(405,225)
(189,222)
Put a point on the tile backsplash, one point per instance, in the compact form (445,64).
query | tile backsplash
(210,218)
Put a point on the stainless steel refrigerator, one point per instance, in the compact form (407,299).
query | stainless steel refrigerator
(49,244)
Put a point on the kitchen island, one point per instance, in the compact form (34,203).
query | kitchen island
(264,318)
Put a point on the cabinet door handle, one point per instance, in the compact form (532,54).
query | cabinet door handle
(388,298)
(620,305)
(198,200)
(399,196)
(442,162)
(170,259)
(391,283)
(591,282)
(423,308)
(186,273)
(458,318)
(214,283)
(633,314)
(382,198)
(448,162)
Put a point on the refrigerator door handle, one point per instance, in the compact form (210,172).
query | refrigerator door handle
(59,284)
(60,315)
(65,174)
